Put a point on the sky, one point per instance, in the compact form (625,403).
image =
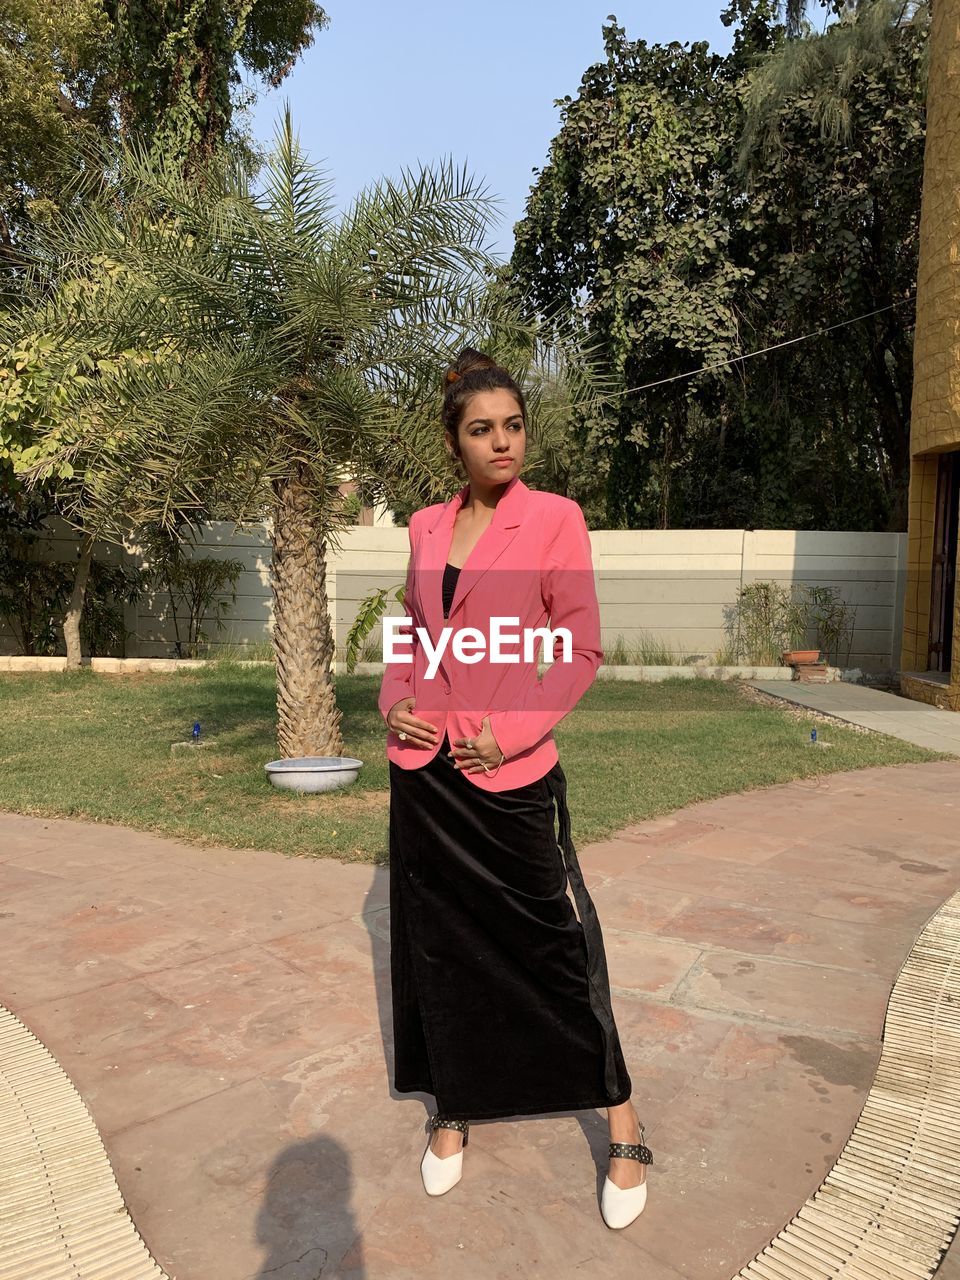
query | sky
(390,85)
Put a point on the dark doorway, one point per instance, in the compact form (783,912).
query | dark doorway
(944,562)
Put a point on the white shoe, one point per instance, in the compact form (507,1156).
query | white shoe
(619,1206)
(440,1173)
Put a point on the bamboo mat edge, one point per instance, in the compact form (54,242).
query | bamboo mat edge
(62,1216)
(889,1207)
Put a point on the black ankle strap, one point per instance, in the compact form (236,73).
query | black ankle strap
(440,1122)
(631,1151)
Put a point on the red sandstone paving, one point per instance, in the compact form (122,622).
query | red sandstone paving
(762,930)
(225,1015)
(790,995)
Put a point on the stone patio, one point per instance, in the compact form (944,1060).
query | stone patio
(225,1015)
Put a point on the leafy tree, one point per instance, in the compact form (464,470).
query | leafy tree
(832,155)
(35,591)
(689,215)
(80,71)
(179,69)
(32,593)
(630,212)
(53,59)
(42,384)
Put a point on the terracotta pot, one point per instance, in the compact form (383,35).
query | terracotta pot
(799,657)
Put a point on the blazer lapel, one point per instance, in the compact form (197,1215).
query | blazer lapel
(491,544)
(494,540)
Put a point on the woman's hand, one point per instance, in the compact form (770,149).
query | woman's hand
(484,751)
(420,733)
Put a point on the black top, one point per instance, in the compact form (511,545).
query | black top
(451,573)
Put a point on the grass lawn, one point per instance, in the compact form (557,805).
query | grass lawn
(97,747)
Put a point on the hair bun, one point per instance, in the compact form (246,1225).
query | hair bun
(469,361)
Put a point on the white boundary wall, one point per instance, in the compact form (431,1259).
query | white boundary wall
(674,586)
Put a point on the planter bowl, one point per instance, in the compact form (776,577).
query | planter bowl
(313,773)
(799,656)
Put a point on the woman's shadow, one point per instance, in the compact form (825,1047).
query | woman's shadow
(306,1223)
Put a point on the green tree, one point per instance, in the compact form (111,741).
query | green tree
(689,215)
(54,81)
(831,154)
(180,68)
(80,71)
(44,411)
(628,223)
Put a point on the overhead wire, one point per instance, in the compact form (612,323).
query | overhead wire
(749,355)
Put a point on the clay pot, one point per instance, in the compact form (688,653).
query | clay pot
(800,657)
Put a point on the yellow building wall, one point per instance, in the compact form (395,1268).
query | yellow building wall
(916,600)
(935,410)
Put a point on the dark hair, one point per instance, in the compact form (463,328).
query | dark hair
(471,372)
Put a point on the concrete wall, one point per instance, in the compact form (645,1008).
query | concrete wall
(249,620)
(677,586)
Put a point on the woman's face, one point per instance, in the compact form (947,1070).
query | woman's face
(492,437)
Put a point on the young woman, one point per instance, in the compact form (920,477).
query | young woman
(501,1001)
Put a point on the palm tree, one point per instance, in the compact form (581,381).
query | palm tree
(258,350)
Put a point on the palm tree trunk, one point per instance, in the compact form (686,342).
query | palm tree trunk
(74,610)
(307,713)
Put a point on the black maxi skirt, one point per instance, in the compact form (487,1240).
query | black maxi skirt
(501,1000)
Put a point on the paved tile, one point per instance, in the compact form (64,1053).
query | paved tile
(915,722)
(787,993)
(226,1017)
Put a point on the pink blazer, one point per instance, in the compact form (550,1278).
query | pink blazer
(533,563)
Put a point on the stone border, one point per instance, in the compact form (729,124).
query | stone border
(126,666)
(117,666)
